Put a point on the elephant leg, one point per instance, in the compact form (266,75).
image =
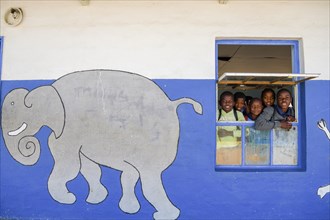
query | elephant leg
(60,175)
(92,173)
(154,192)
(129,177)
(66,168)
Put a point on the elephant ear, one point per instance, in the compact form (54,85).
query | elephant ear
(47,108)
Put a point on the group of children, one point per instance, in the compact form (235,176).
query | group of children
(266,114)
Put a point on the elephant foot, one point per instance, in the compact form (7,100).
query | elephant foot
(169,214)
(97,195)
(60,194)
(129,205)
(66,198)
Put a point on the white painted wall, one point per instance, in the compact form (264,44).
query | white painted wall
(158,39)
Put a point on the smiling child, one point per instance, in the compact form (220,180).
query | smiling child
(278,116)
(229,147)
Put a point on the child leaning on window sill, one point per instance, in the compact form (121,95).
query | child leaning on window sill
(279,116)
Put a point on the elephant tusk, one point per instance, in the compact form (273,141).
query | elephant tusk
(18,131)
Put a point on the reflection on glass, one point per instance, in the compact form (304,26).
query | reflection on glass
(229,147)
(257,147)
(285,146)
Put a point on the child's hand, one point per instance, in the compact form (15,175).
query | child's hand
(291,119)
(286,125)
(223,133)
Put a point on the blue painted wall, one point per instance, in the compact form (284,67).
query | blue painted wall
(191,182)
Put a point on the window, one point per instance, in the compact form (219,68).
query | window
(249,66)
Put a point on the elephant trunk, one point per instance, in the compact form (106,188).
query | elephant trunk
(23,114)
(25,150)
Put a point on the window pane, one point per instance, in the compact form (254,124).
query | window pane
(229,147)
(257,147)
(285,146)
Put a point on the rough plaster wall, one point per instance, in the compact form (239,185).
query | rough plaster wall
(158,39)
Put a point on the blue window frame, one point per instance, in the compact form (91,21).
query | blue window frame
(274,161)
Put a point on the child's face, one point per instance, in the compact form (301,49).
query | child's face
(227,103)
(256,107)
(284,99)
(268,99)
(239,104)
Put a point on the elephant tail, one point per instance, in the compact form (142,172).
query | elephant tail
(197,106)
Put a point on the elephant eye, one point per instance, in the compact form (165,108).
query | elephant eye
(12,103)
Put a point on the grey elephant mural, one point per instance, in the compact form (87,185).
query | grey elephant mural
(99,117)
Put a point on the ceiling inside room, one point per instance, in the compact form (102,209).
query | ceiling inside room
(254,59)
(246,67)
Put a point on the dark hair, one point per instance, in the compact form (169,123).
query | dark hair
(239,95)
(283,90)
(248,99)
(267,90)
(254,100)
(226,93)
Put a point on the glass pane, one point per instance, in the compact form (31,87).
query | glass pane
(229,147)
(257,147)
(285,151)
